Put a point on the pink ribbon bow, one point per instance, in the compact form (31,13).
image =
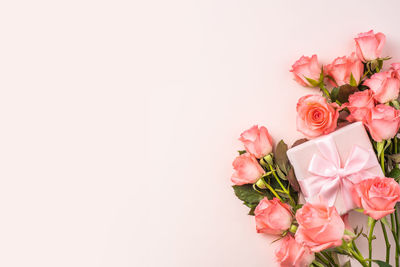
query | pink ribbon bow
(330,179)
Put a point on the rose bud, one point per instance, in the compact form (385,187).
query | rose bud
(272,216)
(292,254)
(369,45)
(383,122)
(257,141)
(315,116)
(320,227)
(377,196)
(384,86)
(306,67)
(247,170)
(359,105)
(342,68)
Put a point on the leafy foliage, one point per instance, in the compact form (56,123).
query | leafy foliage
(299,142)
(342,93)
(382,263)
(281,157)
(291,177)
(395,173)
(249,196)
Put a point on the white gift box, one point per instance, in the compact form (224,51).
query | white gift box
(328,166)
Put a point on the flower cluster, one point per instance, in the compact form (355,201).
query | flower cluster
(354,88)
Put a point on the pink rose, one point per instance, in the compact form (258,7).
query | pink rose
(395,69)
(273,216)
(377,196)
(306,67)
(384,86)
(247,170)
(320,227)
(292,254)
(342,68)
(315,116)
(257,141)
(359,105)
(369,45)
(383,122)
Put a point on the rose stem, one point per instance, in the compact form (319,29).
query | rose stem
(386,241)
(371,232)
(271,189)
(283,188)
(359,258)
(397,237)
(322,259)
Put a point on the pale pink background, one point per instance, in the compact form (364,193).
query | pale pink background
(119,122)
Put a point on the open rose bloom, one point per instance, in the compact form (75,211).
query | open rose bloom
(377,196)
(315,116)
(320,227)
(347,158)
(360,104)
(383,122)
(384,86)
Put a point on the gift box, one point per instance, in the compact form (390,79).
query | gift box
(327,167)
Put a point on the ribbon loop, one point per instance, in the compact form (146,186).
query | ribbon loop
(329,178)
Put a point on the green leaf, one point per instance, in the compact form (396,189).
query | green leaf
(241,152)
(395,104)
(347,264)
(389,164)
(281,157)
(317,263)
(345,91)
(321,76)
(364,235)
(353,81)
(380,64)
(388,143)
(370,221)
(251,211)
(280,173)
(312,82)
(382,263)
(298,206)
(395,158)
(385,222)
(334,94)
(380,146)
(299,142)
(291,177)
(395,173)
(248,195)
(362,87)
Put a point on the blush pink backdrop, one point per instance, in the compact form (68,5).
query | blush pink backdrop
(120,121)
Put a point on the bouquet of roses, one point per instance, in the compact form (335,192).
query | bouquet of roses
(348,161)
